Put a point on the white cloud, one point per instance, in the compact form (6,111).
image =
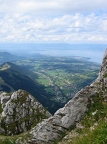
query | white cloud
(72,21)
(52,6)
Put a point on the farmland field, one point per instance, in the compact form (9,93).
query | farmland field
(61,76)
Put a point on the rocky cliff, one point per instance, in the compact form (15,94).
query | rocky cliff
(19,112)
(65,118)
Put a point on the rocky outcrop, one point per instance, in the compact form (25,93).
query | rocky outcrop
(19,112)
(52,128)
(66,117)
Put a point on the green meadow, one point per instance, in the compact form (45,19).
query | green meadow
(61,76)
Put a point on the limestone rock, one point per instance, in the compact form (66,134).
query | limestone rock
(66,117)
(20,111)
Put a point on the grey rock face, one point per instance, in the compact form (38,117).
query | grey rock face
(20,111)
(66,117)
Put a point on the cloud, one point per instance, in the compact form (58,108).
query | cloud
(71,21)
(52,6)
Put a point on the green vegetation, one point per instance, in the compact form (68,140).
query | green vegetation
(97,136)
(24,137)
(61,76)
(1,109)
(43,81)
(105,75)
(93,128)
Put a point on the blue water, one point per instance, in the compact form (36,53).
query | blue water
(95,56)
(93,51)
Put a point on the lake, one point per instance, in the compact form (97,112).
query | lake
(93,51)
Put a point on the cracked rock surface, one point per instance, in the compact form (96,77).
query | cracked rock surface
(20,111)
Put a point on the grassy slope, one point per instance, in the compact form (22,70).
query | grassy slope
(93,128)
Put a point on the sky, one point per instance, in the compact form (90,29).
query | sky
(53,21)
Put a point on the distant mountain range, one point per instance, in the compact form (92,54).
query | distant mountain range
(13,78)
(6,56)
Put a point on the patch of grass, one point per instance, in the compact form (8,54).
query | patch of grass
(50,90)
(24,137)
(1,109)
(43,81)
(66,91)
(105,75)
(97,136)
(94,124)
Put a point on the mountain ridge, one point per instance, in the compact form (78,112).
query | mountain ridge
(13,77)
(6,56)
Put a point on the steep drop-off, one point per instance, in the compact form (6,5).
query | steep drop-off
(13,77)
(65,118)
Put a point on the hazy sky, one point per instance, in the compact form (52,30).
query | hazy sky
(70,21)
